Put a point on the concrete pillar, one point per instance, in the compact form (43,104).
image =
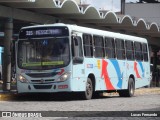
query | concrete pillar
(155,60)
(8,32)
(155,78)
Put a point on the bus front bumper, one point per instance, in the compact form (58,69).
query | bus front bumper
(38,88)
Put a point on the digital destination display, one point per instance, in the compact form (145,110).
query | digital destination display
(43,32)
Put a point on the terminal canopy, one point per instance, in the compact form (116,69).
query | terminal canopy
(29,12)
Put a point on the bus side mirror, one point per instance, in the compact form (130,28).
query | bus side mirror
(77,60)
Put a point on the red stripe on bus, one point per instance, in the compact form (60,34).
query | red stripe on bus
(104,73)
(60,73)
(136,70)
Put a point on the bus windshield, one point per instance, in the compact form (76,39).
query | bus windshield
(45,53)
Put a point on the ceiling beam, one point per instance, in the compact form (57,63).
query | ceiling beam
(24,15)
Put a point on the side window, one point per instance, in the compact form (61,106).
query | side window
(109,47)
(88,46)
(138,51)
(120,51)
(145,51)
(129,50)
(99,46)
(77,47)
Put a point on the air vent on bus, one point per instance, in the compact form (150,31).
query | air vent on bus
(42,75)
(43,81)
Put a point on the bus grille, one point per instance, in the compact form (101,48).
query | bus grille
(42,86)
(42,75)
(43,81)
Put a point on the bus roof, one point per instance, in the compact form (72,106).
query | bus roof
(93,31)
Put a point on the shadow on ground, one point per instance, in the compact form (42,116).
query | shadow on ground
(46,97)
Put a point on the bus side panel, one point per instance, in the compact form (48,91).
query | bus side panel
(147,73)
(117,73)
(109,74)
(94,66)
(78,81)
(142,74)
(140,71)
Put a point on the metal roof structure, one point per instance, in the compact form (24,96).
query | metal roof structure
(149,1)
(68,11)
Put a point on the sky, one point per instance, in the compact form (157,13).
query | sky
(113,5)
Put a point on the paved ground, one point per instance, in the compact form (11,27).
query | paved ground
(144,100)
(110,103)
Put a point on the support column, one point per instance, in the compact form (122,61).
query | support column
(155,68)
(155,60)
(8,32)
(123,6)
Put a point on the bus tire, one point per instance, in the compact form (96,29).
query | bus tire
(130,91)
(87,94)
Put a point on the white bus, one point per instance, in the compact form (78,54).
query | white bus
(68,58)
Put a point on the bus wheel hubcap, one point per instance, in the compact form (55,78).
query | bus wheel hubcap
(131,89)
(89,88)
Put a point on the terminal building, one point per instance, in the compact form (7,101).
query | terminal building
(15,14)
(148,10)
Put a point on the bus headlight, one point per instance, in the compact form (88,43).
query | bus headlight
(64,76)
(22,79)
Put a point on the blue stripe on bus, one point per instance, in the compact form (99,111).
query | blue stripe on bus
(141,66)
(118,71)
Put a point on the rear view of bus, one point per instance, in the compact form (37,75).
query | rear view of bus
(43,58)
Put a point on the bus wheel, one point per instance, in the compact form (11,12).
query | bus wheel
(87,95)
(130,91)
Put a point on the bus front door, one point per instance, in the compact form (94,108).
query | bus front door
(78,71)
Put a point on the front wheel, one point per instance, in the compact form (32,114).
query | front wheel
(130,91)
(87,94)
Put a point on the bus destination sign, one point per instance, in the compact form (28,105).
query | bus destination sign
(43,32)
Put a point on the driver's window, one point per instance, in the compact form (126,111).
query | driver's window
(77,52)
(77,47)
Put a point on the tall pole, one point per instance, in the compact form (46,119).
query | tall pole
(112,5)
(7,54)
(123,6)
